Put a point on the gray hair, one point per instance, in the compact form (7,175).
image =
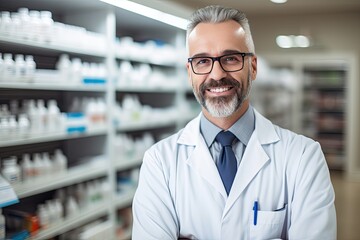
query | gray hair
(218,14)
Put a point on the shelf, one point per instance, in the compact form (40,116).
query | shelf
(104,23)
(72,176)
(6,41)
(147,89)
(48,137)
(124,199)
(126,164)
(92,212)
(143,125)
(52,87)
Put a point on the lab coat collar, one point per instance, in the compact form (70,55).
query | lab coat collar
(265,131)
(253,160)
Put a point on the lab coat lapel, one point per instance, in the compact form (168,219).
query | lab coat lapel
(200,158)
(202,162)
(254,158)
(252,162)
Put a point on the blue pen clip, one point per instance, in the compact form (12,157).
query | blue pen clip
(255,208)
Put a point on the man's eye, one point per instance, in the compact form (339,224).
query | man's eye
(231,59)
(202,61)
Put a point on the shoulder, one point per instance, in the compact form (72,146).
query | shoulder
(295,142)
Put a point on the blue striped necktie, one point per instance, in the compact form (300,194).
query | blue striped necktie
(227,164)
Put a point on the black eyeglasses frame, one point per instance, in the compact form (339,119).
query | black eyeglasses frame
(243,54)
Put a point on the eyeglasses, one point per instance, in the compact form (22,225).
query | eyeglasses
(232,62)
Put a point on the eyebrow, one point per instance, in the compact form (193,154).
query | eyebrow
(225,52)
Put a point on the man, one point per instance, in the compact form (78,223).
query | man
(265,183)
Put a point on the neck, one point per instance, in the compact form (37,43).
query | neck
(226,122)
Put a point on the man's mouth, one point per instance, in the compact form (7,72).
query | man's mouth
(219,89)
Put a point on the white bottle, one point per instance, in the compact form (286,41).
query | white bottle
(43,216)
(59,209)
(76,73)
(13,125)
(64,66)
(51,209)
(42,111)
(35,25)
(38,165)
(20,68)
(4,127)
(46,25)
(11,170)
(25,26)
(35,119)
(15,25)
(53,117)
(60,161)
(9,68)
(2,226)
(30,68)
(6,23)
(71,207)
(80,193)
(27,168)
(48,167)
(23,124)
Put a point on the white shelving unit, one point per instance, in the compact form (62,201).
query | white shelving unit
(323,80)
(109,23)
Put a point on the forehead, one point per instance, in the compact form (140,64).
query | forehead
(215,38)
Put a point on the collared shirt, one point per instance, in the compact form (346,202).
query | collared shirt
(242,129)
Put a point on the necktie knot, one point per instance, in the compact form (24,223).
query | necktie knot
(225,138)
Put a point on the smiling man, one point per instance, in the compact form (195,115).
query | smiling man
(230,173)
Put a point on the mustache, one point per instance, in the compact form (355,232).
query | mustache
(219,83)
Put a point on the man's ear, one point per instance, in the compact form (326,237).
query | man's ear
(253,67)
(189,71)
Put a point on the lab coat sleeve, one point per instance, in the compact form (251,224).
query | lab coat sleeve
(153,209)
(313,212)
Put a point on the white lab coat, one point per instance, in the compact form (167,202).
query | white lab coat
(180,192)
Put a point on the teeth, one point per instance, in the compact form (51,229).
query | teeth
(218,90)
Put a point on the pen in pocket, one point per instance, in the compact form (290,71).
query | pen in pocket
(255,208)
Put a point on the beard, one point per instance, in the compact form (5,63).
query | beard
(227,105)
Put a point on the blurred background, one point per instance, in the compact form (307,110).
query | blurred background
(87,86)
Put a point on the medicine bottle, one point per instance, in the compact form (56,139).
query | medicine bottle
(20,68)
(11,170)
(8,67)
(30,68)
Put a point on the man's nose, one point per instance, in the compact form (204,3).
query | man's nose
(217,72)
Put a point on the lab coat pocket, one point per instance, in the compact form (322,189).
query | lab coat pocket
(269,224)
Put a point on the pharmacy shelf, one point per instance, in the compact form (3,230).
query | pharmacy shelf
(148,61)
(54,181)
(143,125)
(40,47)
(146,89)
(124,199)
(126,163)
(52,87)
(7,141)
(108,21)
(94,211)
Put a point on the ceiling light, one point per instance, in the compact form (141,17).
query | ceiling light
(278,1)
(302,41)
(150,13)
(293,41)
